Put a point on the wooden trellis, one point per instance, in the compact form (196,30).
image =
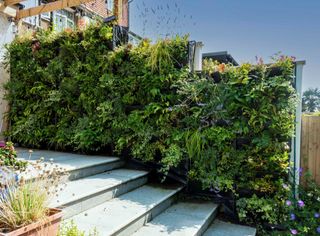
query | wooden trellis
(51,6)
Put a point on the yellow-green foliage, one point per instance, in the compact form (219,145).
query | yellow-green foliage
(71,229)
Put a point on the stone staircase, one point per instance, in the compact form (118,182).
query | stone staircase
(102,194)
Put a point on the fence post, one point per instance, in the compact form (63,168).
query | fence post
(296,140)
(195,56)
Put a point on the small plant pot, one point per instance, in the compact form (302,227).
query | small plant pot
(48,228)
(216,76)
(274,71)
(245,192)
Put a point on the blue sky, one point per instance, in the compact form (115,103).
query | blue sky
(244,28)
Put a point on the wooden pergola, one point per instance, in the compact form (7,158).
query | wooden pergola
(51,6)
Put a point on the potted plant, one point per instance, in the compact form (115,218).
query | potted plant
(24,203)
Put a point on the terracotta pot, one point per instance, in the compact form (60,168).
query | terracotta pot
(49,228)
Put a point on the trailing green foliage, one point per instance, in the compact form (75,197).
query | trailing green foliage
(71,229)
(303,214)
(8,157)
(74,92)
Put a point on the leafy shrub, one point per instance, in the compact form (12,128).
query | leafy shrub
(8,157)
(71,229)
(303,213)
(257,210)
(233,123)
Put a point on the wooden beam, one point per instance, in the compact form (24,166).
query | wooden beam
(8,10)
(52,6)
(12,2)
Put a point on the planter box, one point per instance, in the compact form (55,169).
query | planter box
(49,228)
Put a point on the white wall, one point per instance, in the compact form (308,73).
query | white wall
(6,33)
(6,36)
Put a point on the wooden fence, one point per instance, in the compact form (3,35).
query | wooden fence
(310,145)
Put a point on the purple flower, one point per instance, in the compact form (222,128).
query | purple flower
(282,57)
(300,171)
(316,215)
(294,231)
(300,203)
(292,216)
(288,203)
(2,144)
(318,230)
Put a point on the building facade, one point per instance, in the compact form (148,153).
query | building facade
(74,17)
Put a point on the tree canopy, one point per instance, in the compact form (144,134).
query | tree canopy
(311,100)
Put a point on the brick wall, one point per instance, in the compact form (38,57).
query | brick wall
(124,14)
(99,7)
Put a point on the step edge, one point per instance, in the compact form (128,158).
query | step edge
(205,221)
(35,150)
(208,220)
(69,171)
(132,220)
(225,222)
(97,164)
(102,189)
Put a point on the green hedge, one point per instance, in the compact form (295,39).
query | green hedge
(73,92)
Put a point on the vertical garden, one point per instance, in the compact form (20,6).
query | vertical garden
(73,91)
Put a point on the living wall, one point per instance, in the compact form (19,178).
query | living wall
(72,91)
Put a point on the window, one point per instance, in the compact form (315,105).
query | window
(32,20)
(63,20)
(46,15)
(110,5)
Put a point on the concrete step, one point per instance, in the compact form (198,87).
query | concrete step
(184,218)
(126,214)
(77,165)
(221,228)
(80,195)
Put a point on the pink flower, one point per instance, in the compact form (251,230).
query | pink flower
(293,58)
(300,203)
(288,203)
(294,231)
